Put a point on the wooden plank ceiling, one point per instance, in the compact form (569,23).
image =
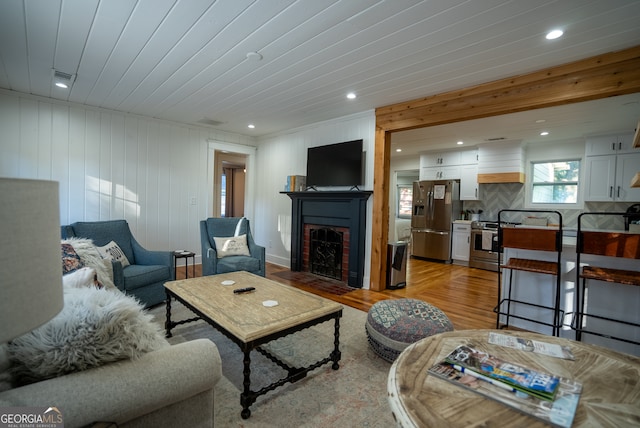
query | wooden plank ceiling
(186,60)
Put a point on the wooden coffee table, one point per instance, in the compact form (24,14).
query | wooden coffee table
(610,384)
(245,320)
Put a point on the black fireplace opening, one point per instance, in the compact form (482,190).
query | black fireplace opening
(325,255)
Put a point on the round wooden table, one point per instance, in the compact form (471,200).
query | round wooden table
(610,394)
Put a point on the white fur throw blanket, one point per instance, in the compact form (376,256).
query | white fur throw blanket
(90,256)
(95,327)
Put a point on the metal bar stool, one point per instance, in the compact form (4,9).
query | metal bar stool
(529,237)
(606,243)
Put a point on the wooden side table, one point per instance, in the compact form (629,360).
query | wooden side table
(610,384)
(186,255)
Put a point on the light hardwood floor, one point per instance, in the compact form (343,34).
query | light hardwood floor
(466,295)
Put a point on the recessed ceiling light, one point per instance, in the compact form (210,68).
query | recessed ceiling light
(351,95)
(251,125)
(543,133)
(398,150)
(541,121)
(62,85)
(460,143)
(554,34)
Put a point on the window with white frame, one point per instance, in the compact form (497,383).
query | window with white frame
(555,182)
(404,198)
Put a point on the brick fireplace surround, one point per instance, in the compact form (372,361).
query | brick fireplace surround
(337,209)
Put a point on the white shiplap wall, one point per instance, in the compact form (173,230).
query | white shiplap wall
(113,165)
(286,154)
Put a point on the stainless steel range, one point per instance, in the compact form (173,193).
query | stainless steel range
(483,251)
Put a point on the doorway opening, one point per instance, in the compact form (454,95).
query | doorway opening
(235,154)
(229,184)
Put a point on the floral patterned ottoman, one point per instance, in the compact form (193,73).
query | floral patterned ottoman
(392,325)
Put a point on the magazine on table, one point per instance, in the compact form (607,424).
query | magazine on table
(560,412)
(528,345)
(539,384)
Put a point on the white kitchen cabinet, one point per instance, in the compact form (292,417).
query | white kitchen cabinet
(469,157)
(460,242)
(600,177)
(440,159)
(440,173)
(608,178)
(446,165)
(609,145)
(626,168)
(469,189)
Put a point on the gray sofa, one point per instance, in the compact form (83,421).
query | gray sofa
(171,387)
(144,278)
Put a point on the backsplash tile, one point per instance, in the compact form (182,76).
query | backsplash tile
(499,196)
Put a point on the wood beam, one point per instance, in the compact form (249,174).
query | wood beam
(601,76)
(380,227)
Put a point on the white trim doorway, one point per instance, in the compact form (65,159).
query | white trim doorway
(249,194)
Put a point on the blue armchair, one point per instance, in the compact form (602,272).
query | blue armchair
(144,278)
(228,227)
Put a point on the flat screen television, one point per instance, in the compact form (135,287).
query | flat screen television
(333,165)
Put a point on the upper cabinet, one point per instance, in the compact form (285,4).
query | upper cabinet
(501,163)
(469,190)
(440,159)
(440,166)
(610,166)
(469,157)
(453,165)
(451,172)
(609,145)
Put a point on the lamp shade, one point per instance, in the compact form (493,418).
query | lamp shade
(30,258)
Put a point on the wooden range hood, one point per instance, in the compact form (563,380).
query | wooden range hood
(501,177)
(601,76)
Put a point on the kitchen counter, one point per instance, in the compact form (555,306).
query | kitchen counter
(614,300)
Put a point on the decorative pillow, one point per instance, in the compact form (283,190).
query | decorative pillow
(112,251)
(70,259)
(85,277)
(94,328)
(232,246)
(91,257)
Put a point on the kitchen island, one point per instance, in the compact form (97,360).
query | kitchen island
(606,299)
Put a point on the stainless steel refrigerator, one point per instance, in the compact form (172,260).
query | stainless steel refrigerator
(435,205)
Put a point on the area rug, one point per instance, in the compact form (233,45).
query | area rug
(319,283)
(353,396)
